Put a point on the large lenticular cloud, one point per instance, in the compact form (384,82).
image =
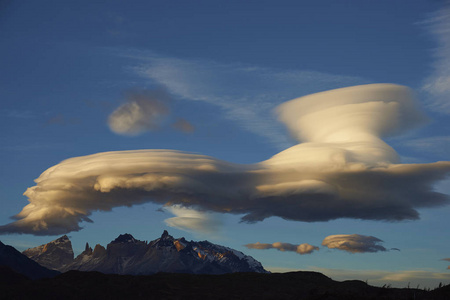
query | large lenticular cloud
(342,169)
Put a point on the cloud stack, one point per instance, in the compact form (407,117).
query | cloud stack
(341,169)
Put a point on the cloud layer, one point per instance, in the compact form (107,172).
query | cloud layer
(193,220)
(437,85)
(342,169)
(246,94)
(353,243)
(300,249)
(400,278)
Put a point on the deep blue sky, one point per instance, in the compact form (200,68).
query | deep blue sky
(66,65)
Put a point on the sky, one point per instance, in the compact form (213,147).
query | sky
(135,118)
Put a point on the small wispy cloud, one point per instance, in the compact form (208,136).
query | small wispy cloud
(437,85)
(144,110)
(17,114)
(183,126)
(300,249)
(60,119)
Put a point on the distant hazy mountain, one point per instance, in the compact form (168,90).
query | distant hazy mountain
(126,255)
(18,262)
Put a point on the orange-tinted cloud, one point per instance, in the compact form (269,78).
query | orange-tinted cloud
(342,169)
(300,249)
(354,243)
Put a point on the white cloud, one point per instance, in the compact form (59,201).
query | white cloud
(246,94)
(437,85)
(189,219)
(300,249)
(343,169)
(354,243)
(143,111)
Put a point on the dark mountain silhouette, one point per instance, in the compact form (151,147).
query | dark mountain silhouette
(238,285)
(294,285)
(16,261)
(9,276)
(127,255)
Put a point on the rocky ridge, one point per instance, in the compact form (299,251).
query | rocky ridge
(54,255)
(127,255)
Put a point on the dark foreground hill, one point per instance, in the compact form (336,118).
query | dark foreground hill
(295,285)
(11,258)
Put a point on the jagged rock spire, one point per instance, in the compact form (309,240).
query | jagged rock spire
(87,249)
(166,236)
(99,250)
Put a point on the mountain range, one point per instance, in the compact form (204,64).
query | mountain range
(245,278)
(127,255)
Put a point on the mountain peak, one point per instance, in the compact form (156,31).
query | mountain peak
(166,236)
(124,238)
(87,250)
(62,239)
(53,254)
(99,250)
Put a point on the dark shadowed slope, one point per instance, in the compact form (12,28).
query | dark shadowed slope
(18,262)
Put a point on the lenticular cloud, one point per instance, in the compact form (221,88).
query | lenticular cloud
(300,249)
(354,243)
(341,169)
